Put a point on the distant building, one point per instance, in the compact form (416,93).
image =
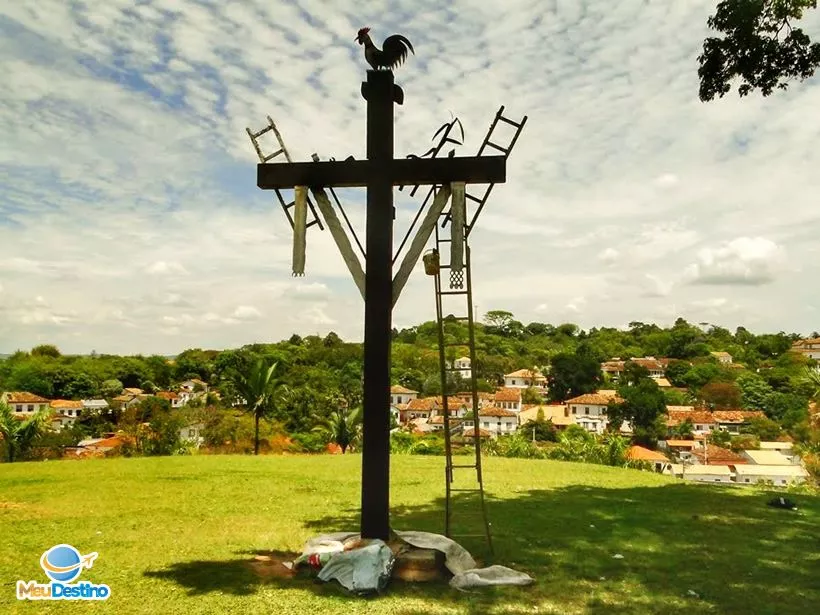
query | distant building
(525,378)
(589,411)
(464,367)
(780,475)
(615,367)
(24,403)
(402,395)
(723,357)
(701,473)
(659,461)
(809,348)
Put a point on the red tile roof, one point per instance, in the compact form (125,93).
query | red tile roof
(66,404)
(453,402)
(491,411)
(525,373)
(639,453)
(470,433)
(398,389)
(736,416)
(682,443)
(422,403)
(594,399)
(716,455)
(701,417)
(169,395)
(24,397)
(508,394)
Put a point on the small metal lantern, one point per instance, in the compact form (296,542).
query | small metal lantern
(431,262)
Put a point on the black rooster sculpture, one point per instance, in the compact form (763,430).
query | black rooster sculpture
(392,54)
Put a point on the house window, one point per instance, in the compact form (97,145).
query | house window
(586,410)
(31,407)
(747,480)
(513,381)
(573,410)
(78,412)
(19,408)
(487,424)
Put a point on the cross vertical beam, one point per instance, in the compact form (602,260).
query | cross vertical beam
(379,91)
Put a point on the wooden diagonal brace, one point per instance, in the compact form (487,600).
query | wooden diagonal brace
(419,241)
(299,229)
(339,235)
(458,211)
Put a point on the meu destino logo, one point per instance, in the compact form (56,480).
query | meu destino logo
(63,565)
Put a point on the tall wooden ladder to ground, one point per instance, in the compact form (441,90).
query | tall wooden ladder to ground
(450,335)
(462,490)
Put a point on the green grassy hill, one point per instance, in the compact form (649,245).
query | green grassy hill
(174,535)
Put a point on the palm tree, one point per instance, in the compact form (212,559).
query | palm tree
(20,434)
(342,427)
(812,376)
(256,388)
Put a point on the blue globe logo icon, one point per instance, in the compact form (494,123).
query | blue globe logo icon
(62,563)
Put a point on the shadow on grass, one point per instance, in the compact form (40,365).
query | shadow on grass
(686,549)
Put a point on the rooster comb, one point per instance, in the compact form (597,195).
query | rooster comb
(363,31)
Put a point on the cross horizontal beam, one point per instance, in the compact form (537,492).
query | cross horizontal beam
(402,171)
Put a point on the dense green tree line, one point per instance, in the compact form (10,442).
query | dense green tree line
(323,374)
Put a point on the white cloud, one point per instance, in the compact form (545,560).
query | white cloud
(165,268)
(246,312)
(129,192)
(749,261)
(608,256)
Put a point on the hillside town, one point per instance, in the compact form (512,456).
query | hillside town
(693,446)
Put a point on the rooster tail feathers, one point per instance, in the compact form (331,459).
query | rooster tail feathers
(395,48)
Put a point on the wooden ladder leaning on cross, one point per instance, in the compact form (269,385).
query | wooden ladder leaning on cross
(380,173)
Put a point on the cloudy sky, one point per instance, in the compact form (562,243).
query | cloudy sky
(131,221)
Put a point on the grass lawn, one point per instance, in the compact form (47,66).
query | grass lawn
(174,535)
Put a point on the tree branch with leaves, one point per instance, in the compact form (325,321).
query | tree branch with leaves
(759,46)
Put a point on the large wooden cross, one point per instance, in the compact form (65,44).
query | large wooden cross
(379,173)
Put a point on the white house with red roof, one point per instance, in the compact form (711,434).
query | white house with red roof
(525,378)
(497,421)
(508,399)
(23,403)
(615,367)
(590,411)
(402,395)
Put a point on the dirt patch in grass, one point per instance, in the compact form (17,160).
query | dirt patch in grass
(11,506)
(271,565)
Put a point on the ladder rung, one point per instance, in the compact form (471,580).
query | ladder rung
(462,489)
(498,147)
(510,122)
(452,292)
(273,155)
(445,240)
(471,197)
(462,466)
(256,135)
